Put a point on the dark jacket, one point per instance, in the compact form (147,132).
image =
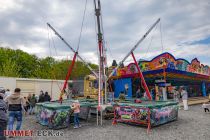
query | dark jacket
(47,98)
(3,111)
(41,98)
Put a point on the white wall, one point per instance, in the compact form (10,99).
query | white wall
(53,87)
(33,86)
(8,83)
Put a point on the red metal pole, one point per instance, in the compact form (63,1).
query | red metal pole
(68,75)
(69,71)
(142,78)
(149,122)
(114,122)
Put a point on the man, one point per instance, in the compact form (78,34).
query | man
(16,104)
(3,117)
(41,97)
(184,98)
(47,97)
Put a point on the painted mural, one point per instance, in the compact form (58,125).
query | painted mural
(164,114)
(130,69)
(140,115)
(166,60)
(55,115)
(131,114)
(54,119)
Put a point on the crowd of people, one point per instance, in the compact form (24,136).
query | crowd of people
(12,106)
(31,101)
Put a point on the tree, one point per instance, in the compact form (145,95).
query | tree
(45,69)
(16,63)
(114,63)
(10,69)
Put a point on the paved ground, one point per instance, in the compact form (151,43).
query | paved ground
(191,125)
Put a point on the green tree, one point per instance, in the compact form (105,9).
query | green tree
(10,69)
(114,63)
(17,63)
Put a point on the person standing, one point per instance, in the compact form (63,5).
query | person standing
(33,102)
(7,93)
(184,98)
(41,97)
(76,108)
(27,107)
(138,92)
(16,105)
(3,117)
(47,97)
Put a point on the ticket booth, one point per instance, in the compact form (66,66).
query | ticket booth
(161,89)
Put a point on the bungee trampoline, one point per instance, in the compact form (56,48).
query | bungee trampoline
(147,113)
(55,115)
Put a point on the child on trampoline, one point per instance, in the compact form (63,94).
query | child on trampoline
(76,108)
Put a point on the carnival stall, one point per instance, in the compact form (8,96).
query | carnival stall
(164,71)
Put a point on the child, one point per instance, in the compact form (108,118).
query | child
(3,117)
(76,108)
(205,106)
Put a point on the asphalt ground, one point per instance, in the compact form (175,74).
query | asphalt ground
(193,124)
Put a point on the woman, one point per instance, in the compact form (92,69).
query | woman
(184,98)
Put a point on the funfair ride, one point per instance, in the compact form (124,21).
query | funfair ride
(101,74)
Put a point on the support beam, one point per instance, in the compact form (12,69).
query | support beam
(133,49)
(204,89)
(142,78)
(67,78)
(74,51)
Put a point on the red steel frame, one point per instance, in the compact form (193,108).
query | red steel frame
(67,77)
(142,78)
(148,122)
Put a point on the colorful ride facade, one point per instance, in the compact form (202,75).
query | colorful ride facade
(176,72)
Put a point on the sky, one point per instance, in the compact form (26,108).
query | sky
(184,29)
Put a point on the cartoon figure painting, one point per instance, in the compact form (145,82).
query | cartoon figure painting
(166,60)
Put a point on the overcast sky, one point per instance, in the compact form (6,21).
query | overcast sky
(185,27)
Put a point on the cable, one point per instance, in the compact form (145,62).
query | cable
(110,51)
(95,29)
(148,47)
(161,37)
(83,19)
(49,43)
(53,42)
